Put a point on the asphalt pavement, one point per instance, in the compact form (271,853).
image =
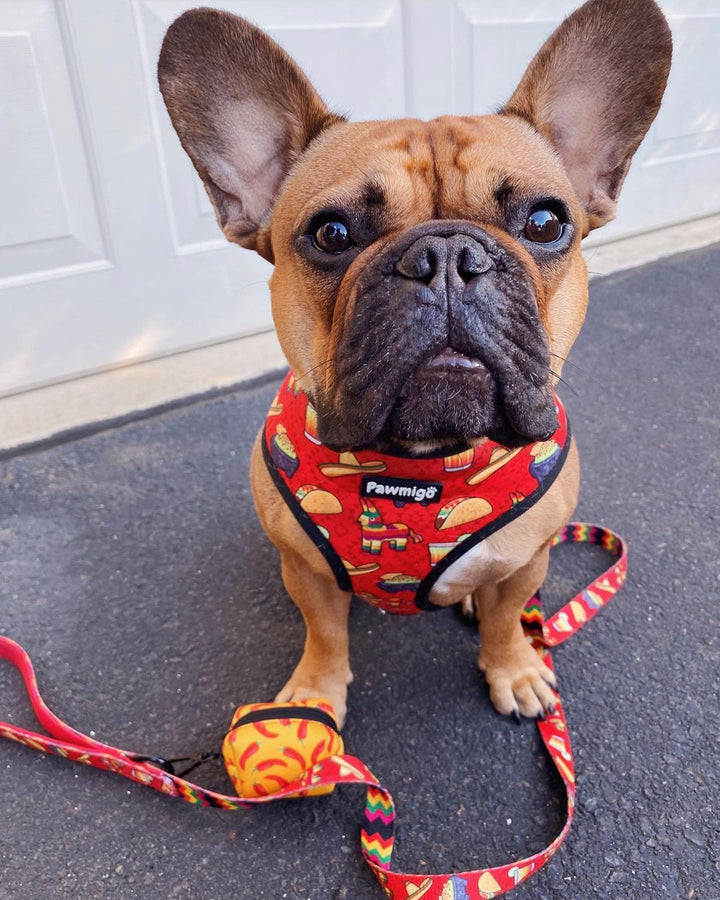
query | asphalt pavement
(136,575)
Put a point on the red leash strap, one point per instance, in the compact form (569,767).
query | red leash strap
(588,602)
(377,834)
(498,880)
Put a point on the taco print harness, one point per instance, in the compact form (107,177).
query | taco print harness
(390,525)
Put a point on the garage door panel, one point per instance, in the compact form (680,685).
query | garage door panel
(109,249)
(51,222)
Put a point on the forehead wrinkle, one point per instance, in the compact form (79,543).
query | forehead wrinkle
(459,160)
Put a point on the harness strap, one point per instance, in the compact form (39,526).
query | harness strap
(376,836)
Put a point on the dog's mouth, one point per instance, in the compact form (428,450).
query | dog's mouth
(449,401)
(452,400)
(452,359)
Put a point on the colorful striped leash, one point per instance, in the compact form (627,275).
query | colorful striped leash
(376,836)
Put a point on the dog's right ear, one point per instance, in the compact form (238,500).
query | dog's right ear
(244,112)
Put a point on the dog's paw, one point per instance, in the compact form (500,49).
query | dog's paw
(334,693)
(520,683)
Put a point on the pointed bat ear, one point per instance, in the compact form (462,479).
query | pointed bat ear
(593,91)
(244,112)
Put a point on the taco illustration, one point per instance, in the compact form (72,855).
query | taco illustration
(315,500)
(397,581)
(578,611)
(544,456)
(283,453)
(462,510)
(487,885)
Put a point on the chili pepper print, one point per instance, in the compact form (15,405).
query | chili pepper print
(279,781)
(317,753)
(264,730)
(295,756)
(249,751)
(269,763)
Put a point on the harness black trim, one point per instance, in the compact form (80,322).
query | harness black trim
(422,600)
(309,527)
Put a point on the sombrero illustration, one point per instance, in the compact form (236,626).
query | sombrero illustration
(348,464)
(365,569)
(416,891)
(498,458)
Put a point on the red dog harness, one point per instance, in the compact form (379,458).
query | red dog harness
(390,525)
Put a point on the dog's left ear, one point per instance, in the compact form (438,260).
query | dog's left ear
(593,91)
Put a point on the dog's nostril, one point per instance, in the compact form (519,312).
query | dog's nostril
(418,263)
(472,260)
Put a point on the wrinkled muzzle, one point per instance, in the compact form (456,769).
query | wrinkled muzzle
(443,341)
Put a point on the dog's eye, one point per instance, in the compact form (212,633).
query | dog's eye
(543,227)
(332,237)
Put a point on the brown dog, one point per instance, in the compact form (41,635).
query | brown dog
(341,207)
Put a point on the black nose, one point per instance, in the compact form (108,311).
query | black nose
(433,258)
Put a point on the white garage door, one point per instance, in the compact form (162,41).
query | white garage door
(109,251)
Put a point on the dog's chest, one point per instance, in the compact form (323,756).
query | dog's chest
(487,562)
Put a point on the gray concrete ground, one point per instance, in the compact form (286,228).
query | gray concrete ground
(135,574)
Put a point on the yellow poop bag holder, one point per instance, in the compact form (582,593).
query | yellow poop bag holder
(270,745)
(274,751)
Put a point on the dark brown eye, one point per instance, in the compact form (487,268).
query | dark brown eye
(543,227)
(332,237)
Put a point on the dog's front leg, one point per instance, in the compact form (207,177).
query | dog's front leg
(518,679)
(324,669)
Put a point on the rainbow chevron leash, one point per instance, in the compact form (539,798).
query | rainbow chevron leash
(376,836)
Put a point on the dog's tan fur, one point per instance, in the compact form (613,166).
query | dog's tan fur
(569,131)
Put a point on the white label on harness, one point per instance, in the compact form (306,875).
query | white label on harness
(401,490)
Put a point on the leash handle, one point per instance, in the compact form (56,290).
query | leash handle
(62,740)
(376,835)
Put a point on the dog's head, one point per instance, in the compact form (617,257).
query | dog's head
(428,279)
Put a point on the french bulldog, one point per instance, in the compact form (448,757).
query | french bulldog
(428,284)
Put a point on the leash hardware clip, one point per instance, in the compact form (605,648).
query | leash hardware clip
(168,765)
